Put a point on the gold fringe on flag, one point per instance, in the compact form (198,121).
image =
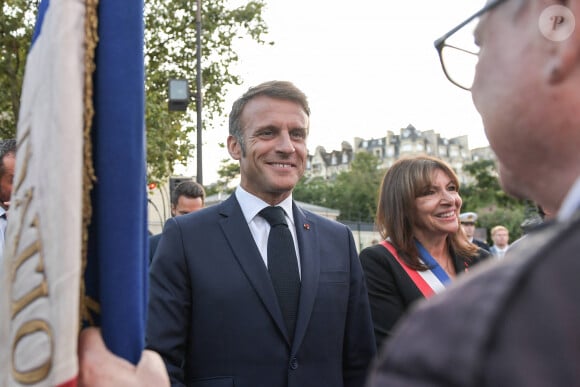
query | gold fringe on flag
(91,39)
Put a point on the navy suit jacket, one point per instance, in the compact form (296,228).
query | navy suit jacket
(481,244)
(214,316)
(153,243)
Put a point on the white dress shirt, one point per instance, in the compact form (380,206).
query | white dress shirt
(571,203)
(259,227)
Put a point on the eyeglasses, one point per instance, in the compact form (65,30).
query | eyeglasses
(458,52)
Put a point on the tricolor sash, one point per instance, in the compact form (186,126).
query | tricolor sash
(429,282)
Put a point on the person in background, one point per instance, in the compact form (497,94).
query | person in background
(500,236)
(188,196)
(7,164)
(424,247)
(536,221)
(515,322)
(256,291)
(468,220)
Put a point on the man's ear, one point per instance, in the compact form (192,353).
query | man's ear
(234,147)
(565,53)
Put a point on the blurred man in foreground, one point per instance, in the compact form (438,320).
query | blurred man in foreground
(514,323)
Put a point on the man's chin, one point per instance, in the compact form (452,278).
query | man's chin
(511,183)
(514,189)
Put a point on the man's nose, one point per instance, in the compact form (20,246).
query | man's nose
(285,143)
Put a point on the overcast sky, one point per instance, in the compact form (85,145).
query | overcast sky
(367,66)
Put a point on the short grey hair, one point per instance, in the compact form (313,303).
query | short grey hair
(283,90)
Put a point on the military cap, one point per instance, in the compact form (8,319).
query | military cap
(468,217)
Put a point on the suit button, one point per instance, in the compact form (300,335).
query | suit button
(293,363)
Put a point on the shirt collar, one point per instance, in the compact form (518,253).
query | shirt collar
(251,205)
(571,203)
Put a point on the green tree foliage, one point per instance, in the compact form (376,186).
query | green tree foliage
(484,191)
(353,192)
(228,172)
(170,40)
(486,197)
(170,52)
(17,18)
(510,218)
(314,190)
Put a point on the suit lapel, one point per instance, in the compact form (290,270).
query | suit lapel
(245,251)
(308,243)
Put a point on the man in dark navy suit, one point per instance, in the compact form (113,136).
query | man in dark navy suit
(188,196)
(216,314)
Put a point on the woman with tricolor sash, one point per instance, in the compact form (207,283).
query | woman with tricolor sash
(424,247)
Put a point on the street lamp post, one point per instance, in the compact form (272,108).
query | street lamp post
(178,95)
(198,100)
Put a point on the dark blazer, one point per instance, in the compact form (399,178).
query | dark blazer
(391,290)
(153,243)
(214,316)
(513,322)
(480,244)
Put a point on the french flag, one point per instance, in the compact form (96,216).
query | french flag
(76,243)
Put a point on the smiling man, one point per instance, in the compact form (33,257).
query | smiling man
(516,322)
(256,291)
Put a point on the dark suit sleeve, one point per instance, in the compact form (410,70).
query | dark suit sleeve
(481,244)
(387,299)
(169,309)
(482,255)
(359,338)
(153,243)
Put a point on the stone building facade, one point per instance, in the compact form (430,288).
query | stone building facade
(409,141)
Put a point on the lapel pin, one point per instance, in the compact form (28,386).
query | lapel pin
(306,226)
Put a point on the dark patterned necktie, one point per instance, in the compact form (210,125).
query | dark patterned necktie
(283,265)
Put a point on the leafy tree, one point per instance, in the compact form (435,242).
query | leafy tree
(485,189)
(170,52)
(170,40)
(353,192)
(15,35)
(313,190)
(228,172)
(486,197)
